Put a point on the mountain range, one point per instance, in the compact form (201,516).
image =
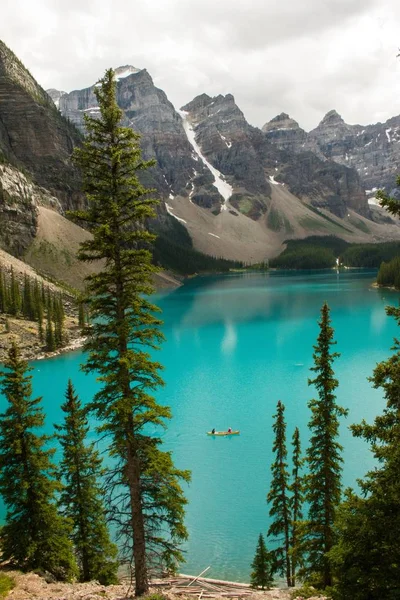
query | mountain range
(237,190)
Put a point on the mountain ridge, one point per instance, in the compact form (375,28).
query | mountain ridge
(372,150)
(239,191)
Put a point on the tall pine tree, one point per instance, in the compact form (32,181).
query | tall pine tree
(296,504)
(367,553)
(81,498)
(14,305)
(278,497)
(323,483)
(35,536)
(262,566)
(3,293)
(149,511)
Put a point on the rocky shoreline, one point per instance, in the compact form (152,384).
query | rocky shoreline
(30,586)
(25,334)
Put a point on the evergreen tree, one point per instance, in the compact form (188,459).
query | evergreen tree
(367,553)
(262,573)
(391,204)
(81,498)
(296,504)
(323,483)
(81,316)
(27,300)
(58,317)
(3,293)
(39,310)
(50,340)
(35,536)
(37,300)
(150,507)
(279,499)
(49,304)
(15,295)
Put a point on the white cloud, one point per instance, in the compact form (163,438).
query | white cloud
(303,58)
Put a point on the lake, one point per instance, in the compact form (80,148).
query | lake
(235,346)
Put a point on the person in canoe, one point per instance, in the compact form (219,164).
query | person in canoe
(213,430)
(229,429)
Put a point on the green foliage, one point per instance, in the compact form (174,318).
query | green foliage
(314,252)
(389,273)
(323,483)
(188,261)
(370,255)
(7,583)
(50,339)
(320,252)
(15,295)
(361,225)
(278,498)
(274,220)
(34,536)
(81,498)
(145,497)
(262,570)
(32,302)
(316,210)
(306,257)
(307,591)
(296,489)
(366,556)
(28,308)
(82,316)
(4,301)
(391,204)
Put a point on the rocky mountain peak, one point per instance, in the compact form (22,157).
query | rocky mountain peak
(56,95)
(331,118)
(284,132)
(206,105)
(220,111)
(12,70)
(33,134)
(282,121)
(125,71)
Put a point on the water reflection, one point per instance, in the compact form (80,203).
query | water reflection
(242,298)
(229,340)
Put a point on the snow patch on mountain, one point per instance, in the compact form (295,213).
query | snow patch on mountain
(222,186)
(170,211)
(272,180)
(122,72)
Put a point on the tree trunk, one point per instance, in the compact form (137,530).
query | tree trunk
(137,520)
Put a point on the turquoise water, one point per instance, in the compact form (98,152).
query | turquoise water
(235,346)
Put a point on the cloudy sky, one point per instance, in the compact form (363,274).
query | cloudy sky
(303,57)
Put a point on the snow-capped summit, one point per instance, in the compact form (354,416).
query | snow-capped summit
(122,72)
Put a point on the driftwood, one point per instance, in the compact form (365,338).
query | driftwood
(196,578)
(204,587)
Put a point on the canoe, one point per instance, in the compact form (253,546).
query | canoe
(235,432)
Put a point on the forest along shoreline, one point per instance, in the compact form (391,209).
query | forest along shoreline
(24,331)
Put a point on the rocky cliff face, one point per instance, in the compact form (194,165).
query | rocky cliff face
(251,161)
(207,152)
(19,199)
(285,133)
(33,134)
(224,137)
(372,150)
(147,110)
